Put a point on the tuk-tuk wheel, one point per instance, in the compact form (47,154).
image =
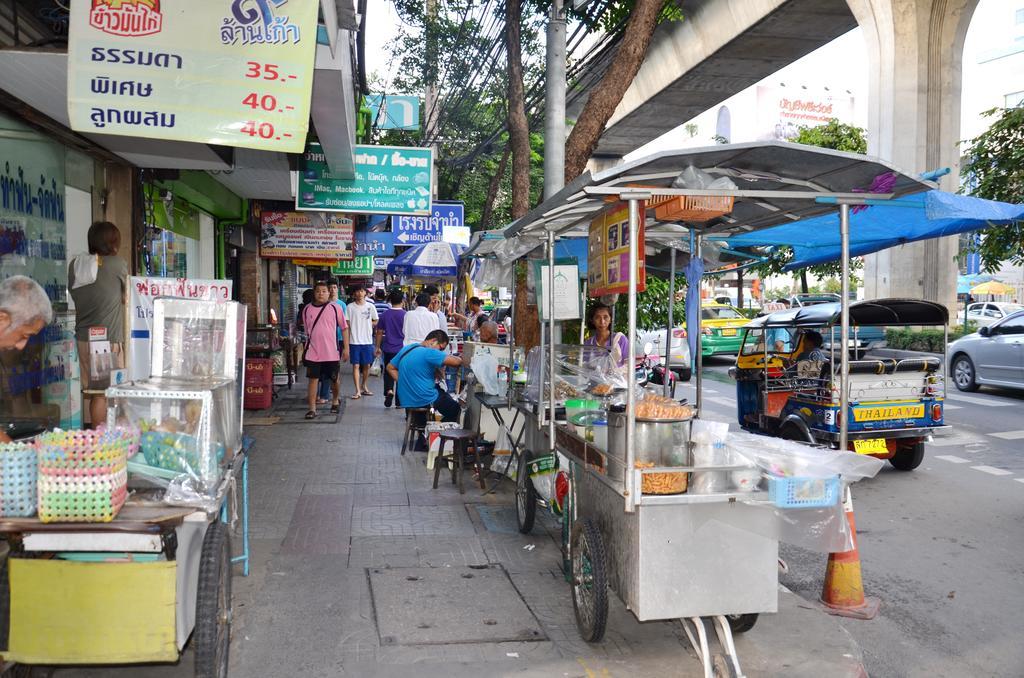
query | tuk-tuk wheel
(589,580)
(526,495)
(908,457)
(741,623)
(212,635)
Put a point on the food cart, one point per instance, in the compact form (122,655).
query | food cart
(630,525)
(92,581)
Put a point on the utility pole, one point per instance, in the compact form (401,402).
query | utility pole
(554,102)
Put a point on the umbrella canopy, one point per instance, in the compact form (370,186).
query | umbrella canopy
(429,260)
(921,216)
(992,287)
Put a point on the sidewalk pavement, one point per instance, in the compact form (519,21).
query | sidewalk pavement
(361,569)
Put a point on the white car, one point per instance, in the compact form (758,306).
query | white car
(680,351)
(984,313)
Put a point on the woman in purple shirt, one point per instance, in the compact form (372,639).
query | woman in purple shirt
(390,339)
(599,322)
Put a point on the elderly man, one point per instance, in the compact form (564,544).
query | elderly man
(24,311)
(489,332)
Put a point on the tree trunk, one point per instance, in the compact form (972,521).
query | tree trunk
(492,190)
(608,93)
(803,281)
(527,323)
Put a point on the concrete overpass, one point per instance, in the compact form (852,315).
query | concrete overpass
(915,48)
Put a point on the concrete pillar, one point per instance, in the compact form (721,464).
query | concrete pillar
(915,50)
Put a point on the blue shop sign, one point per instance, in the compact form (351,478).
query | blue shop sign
(412,230)
(375,244)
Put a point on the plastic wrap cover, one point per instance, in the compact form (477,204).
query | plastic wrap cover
(578,370)
(189,431)
(826,529)
(197,339)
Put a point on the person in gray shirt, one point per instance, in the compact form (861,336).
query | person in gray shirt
(100,303)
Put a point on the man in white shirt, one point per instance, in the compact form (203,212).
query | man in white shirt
(362,318)
(420,321)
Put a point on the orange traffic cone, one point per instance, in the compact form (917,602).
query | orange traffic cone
(843,592)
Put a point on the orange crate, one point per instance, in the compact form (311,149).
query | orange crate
(691,207)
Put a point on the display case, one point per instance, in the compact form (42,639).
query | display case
(198,339)
(580,372)
(190,430)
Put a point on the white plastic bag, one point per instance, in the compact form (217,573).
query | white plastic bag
(485,368)
(85,267)
(375,367)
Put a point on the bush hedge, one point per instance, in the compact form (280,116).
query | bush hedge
(930,340)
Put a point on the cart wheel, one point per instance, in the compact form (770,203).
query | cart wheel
(908,457)
(589,581)
(213,604)
(741,623)
(526,496)
(721,667)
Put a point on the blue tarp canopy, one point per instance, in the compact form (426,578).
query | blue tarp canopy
(921,216)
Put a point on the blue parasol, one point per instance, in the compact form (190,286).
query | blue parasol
(429,260)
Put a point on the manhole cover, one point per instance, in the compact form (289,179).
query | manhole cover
(500,519)
(428,606)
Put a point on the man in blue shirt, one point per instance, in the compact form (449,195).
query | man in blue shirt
(380,300)
(415,369)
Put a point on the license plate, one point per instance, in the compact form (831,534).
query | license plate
(729,332)
(870,446)
(888,412)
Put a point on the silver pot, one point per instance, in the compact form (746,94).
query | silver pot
(652,442)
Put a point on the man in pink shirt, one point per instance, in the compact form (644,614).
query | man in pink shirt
(322,320)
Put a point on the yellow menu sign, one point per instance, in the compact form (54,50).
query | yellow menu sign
(233,73)
(608,253)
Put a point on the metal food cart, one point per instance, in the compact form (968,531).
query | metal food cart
(137,588)
(680,556)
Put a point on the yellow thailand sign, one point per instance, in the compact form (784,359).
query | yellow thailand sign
(227,72)
(888,412)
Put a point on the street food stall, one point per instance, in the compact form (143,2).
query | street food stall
(676,515)
(121,549)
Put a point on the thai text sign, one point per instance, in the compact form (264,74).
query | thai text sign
(410,230)
(388,180)
(608,253)
(304,235)
(377,244)
(142,292)
(233,73)
(360,267)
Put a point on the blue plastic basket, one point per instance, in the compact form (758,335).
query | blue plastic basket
(19,474)
(797,492)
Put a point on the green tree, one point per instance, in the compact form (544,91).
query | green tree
(993,168)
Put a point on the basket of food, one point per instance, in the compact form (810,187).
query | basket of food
(18,476)
(669,482)
(654,407)
(176,451)
(82,475)
(802,492)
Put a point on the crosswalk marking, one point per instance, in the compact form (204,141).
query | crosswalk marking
(1019,480)
(952,459)
(993,402)
(1008,435)
(992,470)
(948,441)
(947,406)
(720,401)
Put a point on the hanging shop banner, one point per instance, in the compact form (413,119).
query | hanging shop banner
(234,73)
(142,292)
(375,244)
(315,262)
(445,218)
(305,235)
(388,180)
(389,111)
(32,228)
(568,304)
(608,253)
(360,267)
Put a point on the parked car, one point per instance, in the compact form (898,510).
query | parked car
(679,352)
(993,356)
(720,324)
(799,300)
(985,313)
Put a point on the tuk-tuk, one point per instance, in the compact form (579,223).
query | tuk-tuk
(788,386)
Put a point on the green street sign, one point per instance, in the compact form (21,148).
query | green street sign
(360,267)
(389,180)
